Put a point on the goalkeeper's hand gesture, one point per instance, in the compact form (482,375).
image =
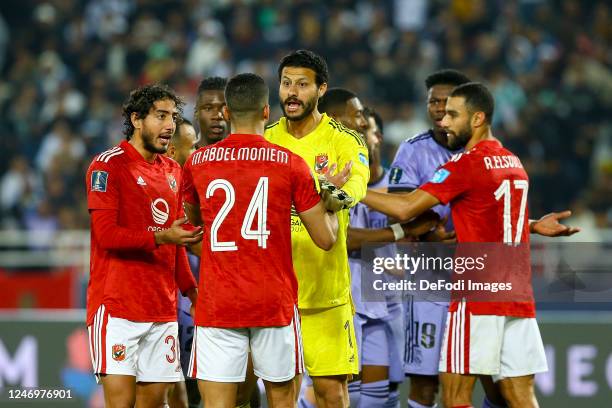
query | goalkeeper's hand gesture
(332,195)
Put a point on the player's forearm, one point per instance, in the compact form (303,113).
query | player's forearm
(114,237)
(184,278)
(396,206)
(356,237)
(356,188)
(332,222)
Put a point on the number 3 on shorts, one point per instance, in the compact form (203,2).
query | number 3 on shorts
(171,358)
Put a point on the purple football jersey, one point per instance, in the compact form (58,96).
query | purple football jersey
(416,161)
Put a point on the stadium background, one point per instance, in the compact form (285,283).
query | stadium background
(67,65)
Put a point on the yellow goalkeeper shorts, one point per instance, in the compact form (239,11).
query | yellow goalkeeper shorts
(328,335)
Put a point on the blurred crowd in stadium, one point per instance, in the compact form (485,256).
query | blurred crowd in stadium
(67,66)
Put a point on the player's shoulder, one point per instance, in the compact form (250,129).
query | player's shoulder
(414,143)
(274,130)
(419,138)
(196,156)
(109,158)
(271,126)
(292,156)
(343,134)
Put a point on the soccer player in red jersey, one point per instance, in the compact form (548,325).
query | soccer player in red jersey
(487,189)
(134,201)
(242,190)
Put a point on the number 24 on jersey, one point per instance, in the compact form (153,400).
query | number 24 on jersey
(258,207)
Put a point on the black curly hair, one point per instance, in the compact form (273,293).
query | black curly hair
(306,59)
(212,84)
(446,77)
(141,101)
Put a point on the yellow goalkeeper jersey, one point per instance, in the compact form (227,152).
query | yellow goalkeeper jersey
(324,277)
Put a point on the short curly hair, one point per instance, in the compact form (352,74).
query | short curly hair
(306,59)
(212,84)
(446,77)
(141,101)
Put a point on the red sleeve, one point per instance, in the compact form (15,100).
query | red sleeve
(451,180)
(113,237)
(303,188)
(188,190)
(184,277)
(102,183)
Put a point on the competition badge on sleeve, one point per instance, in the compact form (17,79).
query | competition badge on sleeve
(98,181)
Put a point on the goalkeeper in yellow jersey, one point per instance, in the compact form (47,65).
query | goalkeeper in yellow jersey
(324,294)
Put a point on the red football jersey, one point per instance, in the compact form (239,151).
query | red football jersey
(134,284)
(487,190)
(245,188)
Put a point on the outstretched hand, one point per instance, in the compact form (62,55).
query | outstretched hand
(549,225)
(332,195)
(177,235)
(341,177)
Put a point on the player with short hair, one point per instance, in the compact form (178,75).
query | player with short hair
(416,161)
(213,127)
(136,216)
(345,107)
(243,189)
(324,277)
(209,110)
(473,189)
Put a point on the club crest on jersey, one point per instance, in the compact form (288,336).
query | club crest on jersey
(118,352)
(98,181)
(172,182)
(321,162)
(440,175)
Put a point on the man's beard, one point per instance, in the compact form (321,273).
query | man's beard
(460,139)
(149,145)
(309,106)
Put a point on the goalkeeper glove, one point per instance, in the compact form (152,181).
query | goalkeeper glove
(334,199)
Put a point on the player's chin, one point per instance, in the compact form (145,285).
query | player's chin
(216,137)
(296,115)
(161,148)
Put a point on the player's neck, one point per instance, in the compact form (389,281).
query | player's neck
(248,129)
(479,136)
(300,128)
(137,143)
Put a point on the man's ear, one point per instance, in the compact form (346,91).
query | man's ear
(322,89)
(266,113)
(479,119)
(171,151)
(136,121)
(226,113)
